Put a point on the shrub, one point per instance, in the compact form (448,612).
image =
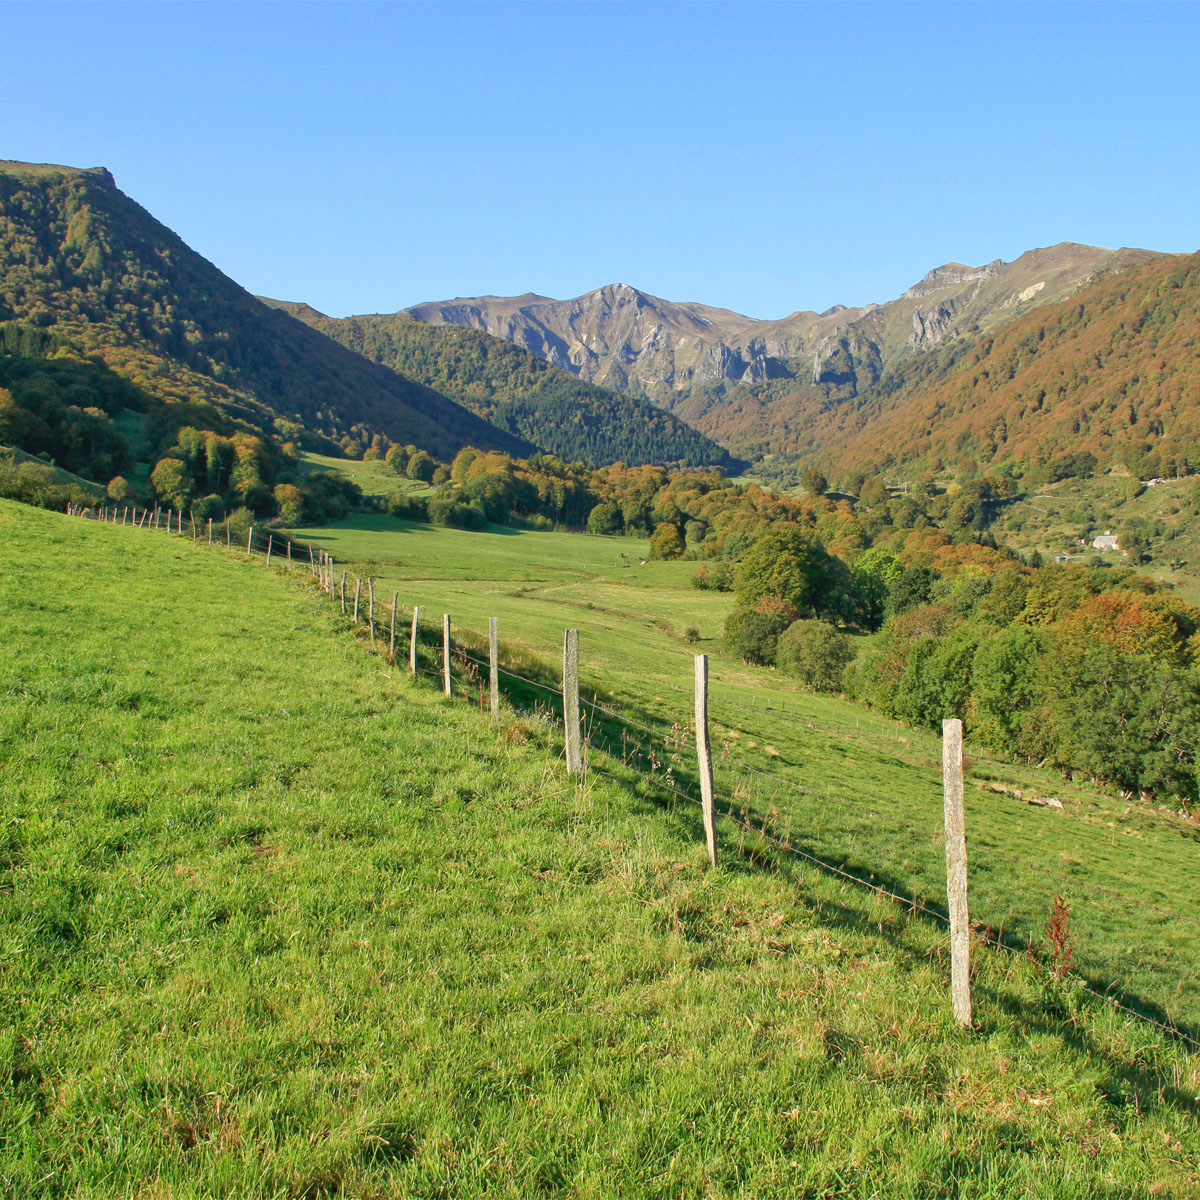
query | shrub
(753,635)
(815,652)
(667,542)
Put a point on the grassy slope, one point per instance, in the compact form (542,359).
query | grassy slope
(864,794)
(374,476)
(1047,520)
(275,921)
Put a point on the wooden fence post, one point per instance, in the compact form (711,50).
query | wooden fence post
(371,607)
(312,566)
(446,654)
(250,541)
(125,514)
(228,542)
(494,667)
(357,593)
(412,642)
(270,546)
(704,758)
(192,519)
(210,531)
(343,593)
(571,701)
(289,546)
(392,639)
(956,871)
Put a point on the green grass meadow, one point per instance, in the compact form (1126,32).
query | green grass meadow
(862,794)
(277,920)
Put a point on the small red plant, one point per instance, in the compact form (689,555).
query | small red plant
(1058,933)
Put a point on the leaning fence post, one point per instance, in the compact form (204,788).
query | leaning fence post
(704,758)
(343,593)
(412,643)
(956,871)
(571,701)
(392,639)
(289,546)
(371,607)
(270,545)
(494,666)
(250,541)
(357,593)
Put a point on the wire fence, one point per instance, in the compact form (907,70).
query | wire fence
(658,757)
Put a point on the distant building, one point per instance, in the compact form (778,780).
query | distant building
(1105,541)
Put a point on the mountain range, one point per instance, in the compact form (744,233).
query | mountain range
(113,331)
(91,270)
(754,385)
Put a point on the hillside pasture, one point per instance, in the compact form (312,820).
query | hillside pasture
(860,793)
(278,921)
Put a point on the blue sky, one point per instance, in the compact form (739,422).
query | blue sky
(760,157)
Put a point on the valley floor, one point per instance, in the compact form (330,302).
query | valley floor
(278,921)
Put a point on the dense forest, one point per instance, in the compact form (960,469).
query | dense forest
(521,393)
(1114,372)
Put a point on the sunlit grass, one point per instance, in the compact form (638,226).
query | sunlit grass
(276,921)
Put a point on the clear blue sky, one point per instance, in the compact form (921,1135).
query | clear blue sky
(760,157)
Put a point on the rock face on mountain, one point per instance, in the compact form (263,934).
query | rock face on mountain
(695,360)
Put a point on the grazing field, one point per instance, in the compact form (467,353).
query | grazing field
(373,475)
(278,921)
(861,794)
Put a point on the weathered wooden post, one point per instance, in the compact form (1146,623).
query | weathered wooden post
(956,871)
(494,667)
(124,515)
(250,541)
(343,593)
(270,546)
(571,702)
(446,654)
(210,531)
(192,519)
(412,642)
(392,638)
(357,593)
(312,566)
(371,607)
(289,546)
(228,542)
(704,758)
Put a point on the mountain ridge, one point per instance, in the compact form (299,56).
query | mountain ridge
(519,392)
(697,360)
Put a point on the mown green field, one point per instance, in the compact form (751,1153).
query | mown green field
(373,475)
(278,921)
(862,794)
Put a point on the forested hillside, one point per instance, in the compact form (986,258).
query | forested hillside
(519,392)
(1114,372)
(82,261)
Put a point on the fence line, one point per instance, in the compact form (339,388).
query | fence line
(956,862)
